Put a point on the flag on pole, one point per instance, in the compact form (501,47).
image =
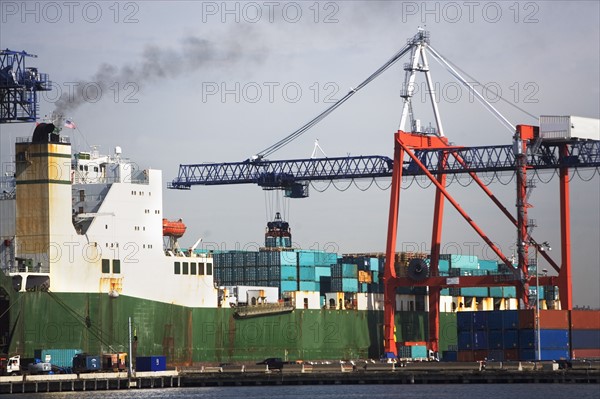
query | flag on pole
(69,124)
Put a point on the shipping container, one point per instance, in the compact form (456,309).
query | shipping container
(495,318)
(57,357)
(287,258)
(510,319)
(496,339)
(585,319)
(511,354)
(465,340)
(450,356)
(84,363)
(496,355)
(549,339)
(586,353)
(288,273)
(150,363)
(480,340)
(461,261)
(510,339)
(480,355)
(480,320)
(585,339)
(489,265)
(307,273)
(546,354)
(465,356)
(480,292)
(289,286)
(549,319)
(418,351)
(309,286)
(559,127)
(464,321)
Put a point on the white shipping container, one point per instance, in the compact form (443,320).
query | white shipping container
(245,294)
(553,127)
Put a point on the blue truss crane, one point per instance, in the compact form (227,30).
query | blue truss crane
(293,175)
(19,87)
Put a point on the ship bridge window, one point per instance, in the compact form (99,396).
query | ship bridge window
(177,267)
(185,268)
(81,195)
(193,268)
(209,269)
(201,269)
(105,266)
(116,266)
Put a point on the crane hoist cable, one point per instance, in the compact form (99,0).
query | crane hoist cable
(269,150)
(484,87)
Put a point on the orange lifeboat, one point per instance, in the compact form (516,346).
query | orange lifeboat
(173,229)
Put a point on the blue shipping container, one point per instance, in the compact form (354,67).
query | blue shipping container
(509,292)
(289,273)
(450,356)
(307,273)
(58,357)
(309,286)
(480,340)
(287,258)
(349,285)
(495,318)
(489,265)
(510,318)
(546,354)
(306,258)
(349,270)
(511,339)
(465,340)
(496,339)
(322,271)
(418,351)
(289,286)
(462,261)
(585,339)
(151,363)
(549,339)
(375,265)
(464,321)
(481,292)
(496,355)
(480,320)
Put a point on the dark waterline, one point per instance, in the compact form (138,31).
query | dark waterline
(465,391)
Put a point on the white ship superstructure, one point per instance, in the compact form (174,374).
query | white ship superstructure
(94,223)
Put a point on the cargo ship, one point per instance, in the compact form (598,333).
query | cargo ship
(85,247)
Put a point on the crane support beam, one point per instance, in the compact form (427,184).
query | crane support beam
(282,174)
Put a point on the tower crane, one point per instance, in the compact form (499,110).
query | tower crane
(19,87)
(429,153)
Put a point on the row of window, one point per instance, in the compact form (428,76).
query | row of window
(116,266)
(194,268)
(140,193)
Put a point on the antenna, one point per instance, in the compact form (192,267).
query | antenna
(317,147)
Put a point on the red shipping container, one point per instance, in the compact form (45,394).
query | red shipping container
(511,354)
(480,355)
(585,319)
(413,343)
(549,319)
(586,353)
(465,356)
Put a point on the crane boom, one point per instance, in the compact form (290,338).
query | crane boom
(283,174)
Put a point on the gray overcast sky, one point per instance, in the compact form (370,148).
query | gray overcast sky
(191,82)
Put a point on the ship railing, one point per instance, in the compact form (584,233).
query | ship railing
(28,139)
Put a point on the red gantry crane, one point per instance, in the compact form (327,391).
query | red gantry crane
(427,152)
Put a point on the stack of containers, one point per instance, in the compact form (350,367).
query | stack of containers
(553,333)
(344,277)
(306,270)
(585,334)
(487,335)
